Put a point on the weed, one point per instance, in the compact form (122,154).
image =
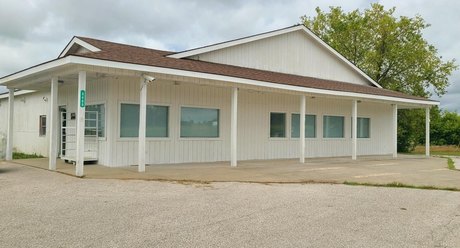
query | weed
(450,164)
(20,155)
(401,185)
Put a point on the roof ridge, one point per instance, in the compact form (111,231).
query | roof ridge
(236,39)
(121,44)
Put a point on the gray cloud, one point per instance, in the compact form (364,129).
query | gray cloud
(35,31)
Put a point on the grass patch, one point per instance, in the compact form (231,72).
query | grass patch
(20,155)
(451,164)
(439,150)
(401,185)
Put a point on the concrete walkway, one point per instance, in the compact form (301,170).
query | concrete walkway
(412,170)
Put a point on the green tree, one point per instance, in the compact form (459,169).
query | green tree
(392,51)
(445,128)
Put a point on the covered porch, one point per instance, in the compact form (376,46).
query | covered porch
(235,96)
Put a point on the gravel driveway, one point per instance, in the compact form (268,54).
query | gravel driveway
(39,208)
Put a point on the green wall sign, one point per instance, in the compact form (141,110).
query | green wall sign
(82,98)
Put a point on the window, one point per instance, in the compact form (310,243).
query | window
(100,109)
(199,122)
(129,120)
(277,125)
(42,125)
(156,121)
(363,127)
(310,126)
(333,126)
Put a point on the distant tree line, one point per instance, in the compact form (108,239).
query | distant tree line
(445,128)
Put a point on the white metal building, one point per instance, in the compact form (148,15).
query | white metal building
(236,100)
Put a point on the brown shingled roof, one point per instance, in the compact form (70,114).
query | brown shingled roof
(143,56)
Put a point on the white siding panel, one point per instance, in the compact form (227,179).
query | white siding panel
(293,53)
(254,109)
(27,109)
(172,149)
(253,127)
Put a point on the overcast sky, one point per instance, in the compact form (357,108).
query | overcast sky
(32,32)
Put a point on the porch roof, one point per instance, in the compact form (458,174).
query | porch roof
(133,55)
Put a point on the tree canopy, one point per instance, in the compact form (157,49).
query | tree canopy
(445,128)
(391,50)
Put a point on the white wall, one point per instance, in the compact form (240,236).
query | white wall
(172,149)
(293,53)
(253,125)
(29,107)
(27,111)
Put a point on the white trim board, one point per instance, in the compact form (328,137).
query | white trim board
(222,45)
(76,40)
(16,93)
(234,80)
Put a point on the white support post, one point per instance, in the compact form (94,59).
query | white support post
(234,128)
(9,138)
(53,124)
(81,107)
(354,120)
(142,124)
(395,131)
(303,103)
(427,132)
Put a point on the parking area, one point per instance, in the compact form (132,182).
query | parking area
(407,169)
(40,208)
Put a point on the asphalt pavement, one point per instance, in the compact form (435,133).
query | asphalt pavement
(39,208)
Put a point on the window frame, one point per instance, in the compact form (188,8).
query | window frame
(105,117)
(119,138)
(360,117)
(180,138)
(343,128)
(316,126)
(286,123)
(40,127)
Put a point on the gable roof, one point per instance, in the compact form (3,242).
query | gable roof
(75,44)
(116,52)
(298,27)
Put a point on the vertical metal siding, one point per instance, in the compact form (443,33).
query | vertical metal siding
(27,109)
(253,127)
(172,149)
(254,108)
(294,53)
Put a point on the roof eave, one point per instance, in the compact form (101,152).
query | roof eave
(74,59)
(232,79)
